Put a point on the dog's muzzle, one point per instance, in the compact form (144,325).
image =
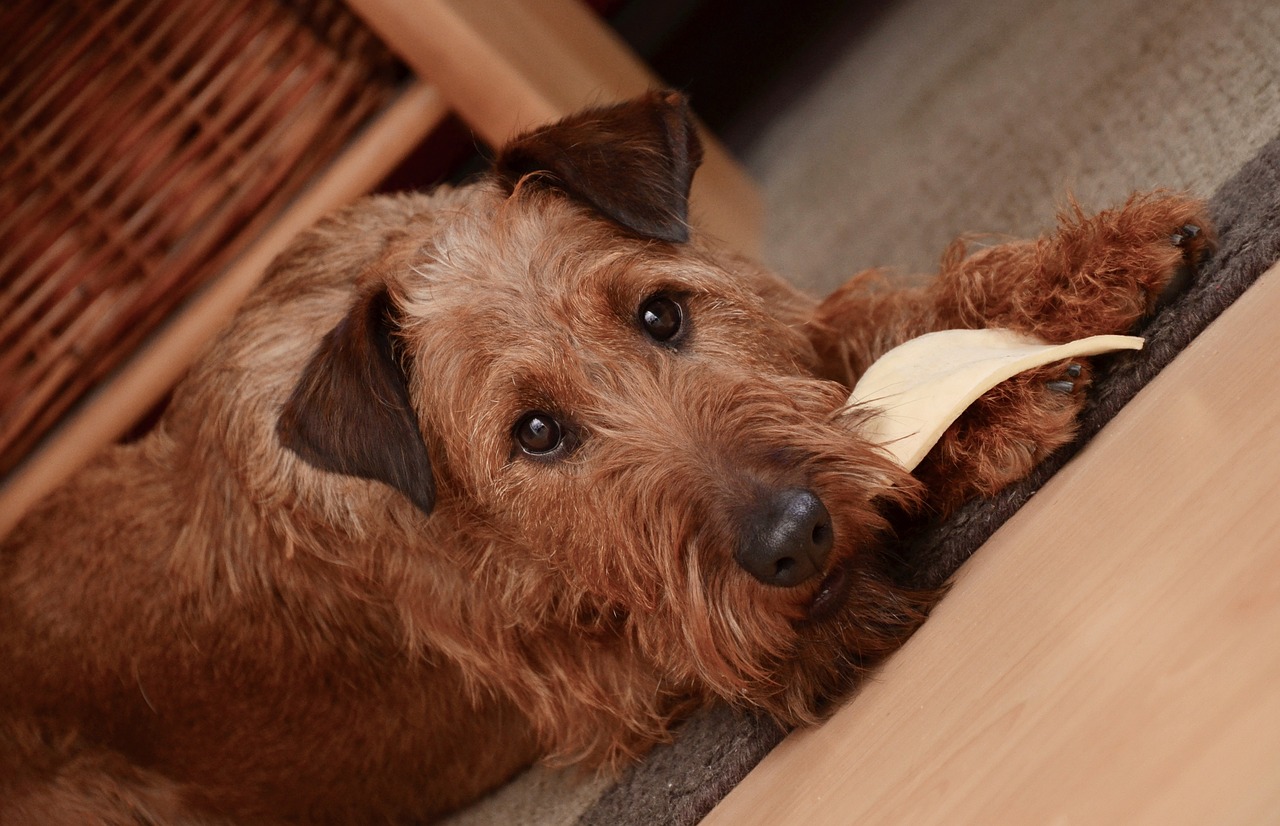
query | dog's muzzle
(787,538)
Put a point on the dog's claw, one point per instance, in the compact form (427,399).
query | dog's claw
(1182,277)
(1061,386)
(1074,370)
(1184,234)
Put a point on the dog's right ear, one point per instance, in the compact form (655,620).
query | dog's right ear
(350,412)
(633,162)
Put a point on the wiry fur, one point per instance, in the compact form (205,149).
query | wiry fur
(212,626)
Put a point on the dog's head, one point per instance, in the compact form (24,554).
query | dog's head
(610,425)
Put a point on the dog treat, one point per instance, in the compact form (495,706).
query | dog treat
(919,388)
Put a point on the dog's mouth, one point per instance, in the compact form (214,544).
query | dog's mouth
(832,594)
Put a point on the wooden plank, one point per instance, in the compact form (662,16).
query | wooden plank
(1111,655)
(144,380)
(508,65)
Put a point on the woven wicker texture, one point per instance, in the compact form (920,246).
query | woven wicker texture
(143,143)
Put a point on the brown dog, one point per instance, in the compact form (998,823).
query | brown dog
(511,471)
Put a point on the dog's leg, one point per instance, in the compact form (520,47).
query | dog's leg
(53,789)
(1096,274)
(1005,434)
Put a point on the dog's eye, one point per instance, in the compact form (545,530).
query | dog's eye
(661,317)
(538,433)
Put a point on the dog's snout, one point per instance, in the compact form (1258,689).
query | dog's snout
(787,538)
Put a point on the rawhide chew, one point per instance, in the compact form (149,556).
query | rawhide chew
(916,390)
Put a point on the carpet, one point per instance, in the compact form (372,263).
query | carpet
(943,117)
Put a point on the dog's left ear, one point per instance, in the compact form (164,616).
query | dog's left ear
(350,412)
(633,162)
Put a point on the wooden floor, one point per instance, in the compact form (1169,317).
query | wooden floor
(1111,655)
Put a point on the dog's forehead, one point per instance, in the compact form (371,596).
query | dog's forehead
(529,294)
(516,265)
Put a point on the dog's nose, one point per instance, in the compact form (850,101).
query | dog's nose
(787,539)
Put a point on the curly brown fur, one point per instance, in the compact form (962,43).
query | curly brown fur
(1096,274)
(335,585)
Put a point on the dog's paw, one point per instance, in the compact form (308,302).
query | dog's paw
(1068,382)
(1194,243)
(1151,246)
(1002,436)
(1106,273)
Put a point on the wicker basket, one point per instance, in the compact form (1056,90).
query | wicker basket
(143,143)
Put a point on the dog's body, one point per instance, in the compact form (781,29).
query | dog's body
(506,472)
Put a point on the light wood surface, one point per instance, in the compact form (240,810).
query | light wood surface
(1110,656)
(507,65)
(144,380)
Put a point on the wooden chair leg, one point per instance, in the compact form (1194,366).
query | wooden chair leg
(507,65)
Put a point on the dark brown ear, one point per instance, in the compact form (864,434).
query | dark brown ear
(350,411)
(633,162)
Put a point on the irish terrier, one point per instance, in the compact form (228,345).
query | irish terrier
(520,470)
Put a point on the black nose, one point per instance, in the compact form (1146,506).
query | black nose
(787,538)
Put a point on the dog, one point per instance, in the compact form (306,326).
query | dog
(520,470)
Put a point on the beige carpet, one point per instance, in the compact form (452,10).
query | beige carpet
(947,116)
